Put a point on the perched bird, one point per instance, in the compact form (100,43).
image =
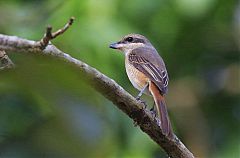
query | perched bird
(147,72)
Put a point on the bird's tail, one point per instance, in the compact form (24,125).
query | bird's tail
(161,110)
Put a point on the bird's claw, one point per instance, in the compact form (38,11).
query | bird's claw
(143,102)
(137,98)
(153,112)
(158,122)
(145,105)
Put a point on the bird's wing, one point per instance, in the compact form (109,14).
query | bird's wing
(151,65)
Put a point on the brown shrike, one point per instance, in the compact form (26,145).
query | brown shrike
(147,72)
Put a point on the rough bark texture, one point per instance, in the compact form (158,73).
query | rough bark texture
(5,61)
(108,88)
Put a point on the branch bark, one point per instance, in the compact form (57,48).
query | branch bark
(5,61)
(104,85)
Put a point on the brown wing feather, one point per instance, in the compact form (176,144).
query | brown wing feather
(151,64)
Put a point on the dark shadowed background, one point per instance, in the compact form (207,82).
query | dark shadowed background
(47,110)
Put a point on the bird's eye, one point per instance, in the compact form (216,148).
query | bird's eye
(129,39)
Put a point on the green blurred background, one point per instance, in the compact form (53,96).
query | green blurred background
(47,110)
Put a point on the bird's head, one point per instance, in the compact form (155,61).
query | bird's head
(130,42)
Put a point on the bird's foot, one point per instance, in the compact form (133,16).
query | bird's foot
(137,98)
(158,122)
(141,101)
(153,112)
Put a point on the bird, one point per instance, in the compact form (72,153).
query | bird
(147,72)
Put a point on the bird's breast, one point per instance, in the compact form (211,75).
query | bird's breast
(136,77)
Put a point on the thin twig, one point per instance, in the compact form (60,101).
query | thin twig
(48,36)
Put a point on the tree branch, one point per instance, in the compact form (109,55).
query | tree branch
(104,85)
(5,61)
(49,35)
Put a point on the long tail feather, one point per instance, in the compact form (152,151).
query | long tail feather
(161,110)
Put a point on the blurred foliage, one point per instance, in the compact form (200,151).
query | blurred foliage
(47,110)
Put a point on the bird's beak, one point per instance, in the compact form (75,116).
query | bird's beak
(115,45)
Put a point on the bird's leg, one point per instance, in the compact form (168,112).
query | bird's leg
(143,102)
(153,111)
(140,94)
